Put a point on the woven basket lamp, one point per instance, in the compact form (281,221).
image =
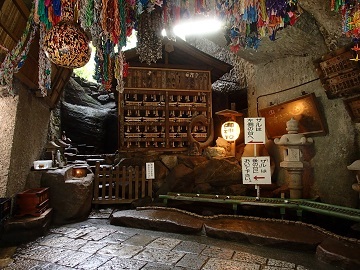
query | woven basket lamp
(67,45)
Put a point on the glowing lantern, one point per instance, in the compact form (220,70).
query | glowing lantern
(230,130)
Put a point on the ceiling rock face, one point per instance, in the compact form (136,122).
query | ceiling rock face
(316,31)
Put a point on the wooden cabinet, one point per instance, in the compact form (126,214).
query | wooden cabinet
(157,106)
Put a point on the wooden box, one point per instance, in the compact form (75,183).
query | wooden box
(158,105)
(352,105)
(32,201)
(339,72)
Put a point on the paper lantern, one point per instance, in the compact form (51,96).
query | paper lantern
(230,130)
(67,45)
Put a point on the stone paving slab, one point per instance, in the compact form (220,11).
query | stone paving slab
(159,256)
(139,240)
(192,261)
(164,243)
(73,258)
(156,266)
(121,251)
(140,249)
(91,246)
(220,264)
(116,237)
(121,263)
(94,262)
(218,252)
(190,247)
(249,258)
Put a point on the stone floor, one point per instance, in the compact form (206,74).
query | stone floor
(95,244)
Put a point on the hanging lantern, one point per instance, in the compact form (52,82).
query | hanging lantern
(67,45)
(230,130)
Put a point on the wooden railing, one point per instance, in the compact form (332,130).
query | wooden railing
(114,185)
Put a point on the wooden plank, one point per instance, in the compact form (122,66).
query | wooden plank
(117,182)
(22,8)
(96,181)
(111,180)
(103,181)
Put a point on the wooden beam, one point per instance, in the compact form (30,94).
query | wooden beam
(22,8)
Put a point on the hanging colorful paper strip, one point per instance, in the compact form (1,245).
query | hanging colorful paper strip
(110,22)
(44,65)
(15,59)
(249,20)
(350,12)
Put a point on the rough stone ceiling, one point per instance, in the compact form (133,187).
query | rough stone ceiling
(317,31)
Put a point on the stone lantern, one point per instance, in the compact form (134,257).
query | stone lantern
(293,163)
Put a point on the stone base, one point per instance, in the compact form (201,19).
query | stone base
(339,253)
(26,228)
(69,197)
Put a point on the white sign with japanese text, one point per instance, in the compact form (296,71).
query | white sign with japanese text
(254,130)
(150,170)
(256,170)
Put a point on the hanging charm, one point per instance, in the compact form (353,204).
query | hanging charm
(67,44)
(149,37)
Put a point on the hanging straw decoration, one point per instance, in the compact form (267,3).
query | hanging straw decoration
(15,59)
(149,37)
(44,65)
(119,71)
(110,22)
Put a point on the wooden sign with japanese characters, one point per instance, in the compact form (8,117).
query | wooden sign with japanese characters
(256,170)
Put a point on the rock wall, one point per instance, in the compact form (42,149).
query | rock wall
(328,177)
(89,117)
(23,136)
(8,107)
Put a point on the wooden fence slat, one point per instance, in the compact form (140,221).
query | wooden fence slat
(117,183)
(110,183)
(103,185)
(96,182)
